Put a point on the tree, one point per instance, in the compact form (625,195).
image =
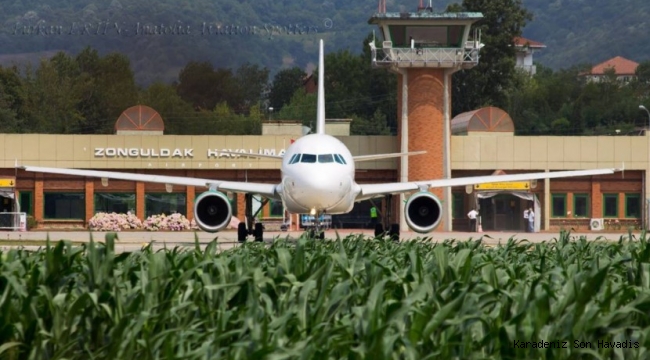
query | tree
(202,86)
(487,83)
(177,114)
(252,82)
(54,101)
(12,100)
(285,83)
(377,125)
(302,107)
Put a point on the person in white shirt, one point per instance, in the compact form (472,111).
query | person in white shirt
(531,220)
(472,219)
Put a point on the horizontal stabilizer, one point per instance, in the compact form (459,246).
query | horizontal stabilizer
(386,156)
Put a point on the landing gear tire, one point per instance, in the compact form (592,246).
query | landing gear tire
(242,233)
(259,232)
(394,232)
(379,230)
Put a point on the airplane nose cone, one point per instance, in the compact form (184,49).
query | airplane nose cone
(319,191)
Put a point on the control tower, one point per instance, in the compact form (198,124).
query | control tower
(424,49)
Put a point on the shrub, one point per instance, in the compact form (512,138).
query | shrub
(114,222)
(31,222)
(173,222)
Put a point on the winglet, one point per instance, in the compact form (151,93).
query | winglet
(320,112)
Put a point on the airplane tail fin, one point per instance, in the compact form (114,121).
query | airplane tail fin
(320,112)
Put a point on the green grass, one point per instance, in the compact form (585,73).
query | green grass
(352,298)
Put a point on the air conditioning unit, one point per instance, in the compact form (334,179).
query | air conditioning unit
(596,224)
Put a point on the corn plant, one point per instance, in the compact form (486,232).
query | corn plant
(353,298)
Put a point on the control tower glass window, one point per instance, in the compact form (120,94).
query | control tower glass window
(429,36)
(398,35)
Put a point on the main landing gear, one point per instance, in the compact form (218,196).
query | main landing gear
(250,227)
(316,231)
(393,233)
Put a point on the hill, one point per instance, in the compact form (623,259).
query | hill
(577,32)
(161,37)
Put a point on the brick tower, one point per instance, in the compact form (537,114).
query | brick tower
(424,49)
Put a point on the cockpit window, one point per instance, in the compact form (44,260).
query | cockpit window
(294,159)
(339,159)
(325,158)
(308,158)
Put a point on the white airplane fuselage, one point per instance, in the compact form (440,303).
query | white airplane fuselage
(319,178)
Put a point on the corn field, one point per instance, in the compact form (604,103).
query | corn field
(352,298)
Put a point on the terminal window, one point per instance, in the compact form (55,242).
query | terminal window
(64,206)
(26,202)
(458,206)
(558,205)
(581,205)
(276,208)
(120,203)
(632,205)
(165,203)
(610,205)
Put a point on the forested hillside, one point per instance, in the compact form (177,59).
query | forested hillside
(160,37)
(578,31)
(102,58)
(281,33)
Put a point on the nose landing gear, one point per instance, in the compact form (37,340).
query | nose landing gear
(317,229)
(250,227)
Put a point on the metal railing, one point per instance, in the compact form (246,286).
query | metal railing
(425,57)
(13,221)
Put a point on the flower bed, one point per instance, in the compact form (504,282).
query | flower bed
(118,222)
(114,222)
(173,222)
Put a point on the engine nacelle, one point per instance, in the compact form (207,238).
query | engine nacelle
(212,211)
(423,212)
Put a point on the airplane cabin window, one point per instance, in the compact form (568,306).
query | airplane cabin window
(294,159)
(325,158)
(308,158)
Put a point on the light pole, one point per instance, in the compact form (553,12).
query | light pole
(641,107)
(270,112)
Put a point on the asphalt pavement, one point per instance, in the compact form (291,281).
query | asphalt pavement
(135,240)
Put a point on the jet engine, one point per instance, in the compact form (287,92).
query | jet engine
(212,211)
(423,212)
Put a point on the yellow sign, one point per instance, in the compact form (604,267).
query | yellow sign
(506,185)
(7,182)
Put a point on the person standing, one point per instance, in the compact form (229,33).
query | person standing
(531,220)
(526,220)
(472,220)
(373,215)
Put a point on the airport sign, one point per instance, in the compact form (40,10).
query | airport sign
(7,182)
(504,185)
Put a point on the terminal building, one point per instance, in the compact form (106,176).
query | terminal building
(482,143)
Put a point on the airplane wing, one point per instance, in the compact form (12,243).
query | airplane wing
(369,191)
(242,154)
(266,190)
(385,156)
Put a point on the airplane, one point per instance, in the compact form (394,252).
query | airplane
(317,177)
